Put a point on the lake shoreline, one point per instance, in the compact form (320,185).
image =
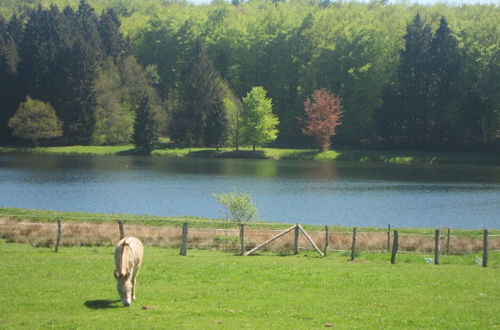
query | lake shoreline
(353,155)
(38,215)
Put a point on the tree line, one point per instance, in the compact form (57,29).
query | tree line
(74,67)
(408,76)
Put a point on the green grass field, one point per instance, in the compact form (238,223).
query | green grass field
(387,156)
(214,290)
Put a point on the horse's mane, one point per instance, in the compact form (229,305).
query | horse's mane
(123,263)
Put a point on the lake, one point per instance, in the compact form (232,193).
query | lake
(343,193)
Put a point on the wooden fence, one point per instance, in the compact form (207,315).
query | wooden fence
(246,241)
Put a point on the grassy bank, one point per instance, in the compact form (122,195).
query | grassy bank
(388,156)
(213,290)
(36,215)
(37,228)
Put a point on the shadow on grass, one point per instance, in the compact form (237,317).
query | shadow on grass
(246,154)
(102,304)
(203,153)
(132,152)
(258,154)
(301,155)
(388,156)
(165,145)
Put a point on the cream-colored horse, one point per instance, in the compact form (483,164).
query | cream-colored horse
(128,259)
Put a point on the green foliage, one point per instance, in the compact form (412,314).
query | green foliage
(238,206)
(35,120)
(376,57)
(114,119)
(109,28)
(361,155)
(446,120)
(77,62)
(200,119)
(120,90)
(233,109)
(146,128)
(80,103)
(414,73)
(9,59)
(424,107)
(257,122)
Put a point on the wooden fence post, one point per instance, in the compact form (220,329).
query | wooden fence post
(310,240)
(485,248)
(296,240)
(395,247)
(353,247)
(448,242)
(326,241)
(242,238)
(59,230)
(184,238)
(437,246)
(389,238)
(122,231)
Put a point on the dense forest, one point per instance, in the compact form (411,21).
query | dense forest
(120,71)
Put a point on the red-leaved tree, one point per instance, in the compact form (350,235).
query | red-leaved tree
(323,115)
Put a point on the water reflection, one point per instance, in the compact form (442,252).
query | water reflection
(290,191)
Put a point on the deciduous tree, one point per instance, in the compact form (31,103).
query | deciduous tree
(258,123)
(35,120)
(323,115)
(238,206)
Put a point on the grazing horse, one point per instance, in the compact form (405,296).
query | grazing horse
(128,260)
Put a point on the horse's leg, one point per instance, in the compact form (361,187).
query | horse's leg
(133,279)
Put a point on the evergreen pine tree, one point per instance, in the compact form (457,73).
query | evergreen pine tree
(146,128)
(473,111)
(112,39)
(79,104)
(445,94)
(414,75)
(33,51)
(217,122)
(8,76)
(389,118)
(89,28)
(200,119)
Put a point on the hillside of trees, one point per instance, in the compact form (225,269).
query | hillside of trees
(121,71)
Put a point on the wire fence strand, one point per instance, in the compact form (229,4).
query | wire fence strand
(228,239)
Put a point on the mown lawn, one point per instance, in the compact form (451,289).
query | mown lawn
(360,155)
(207,289)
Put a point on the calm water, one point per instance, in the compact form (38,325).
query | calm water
(284,191)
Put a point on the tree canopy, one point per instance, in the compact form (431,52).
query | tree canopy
(34,121)
(323,115)
(257,122)
(408,75)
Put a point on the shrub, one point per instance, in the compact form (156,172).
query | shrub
(35,120)
(238,206)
